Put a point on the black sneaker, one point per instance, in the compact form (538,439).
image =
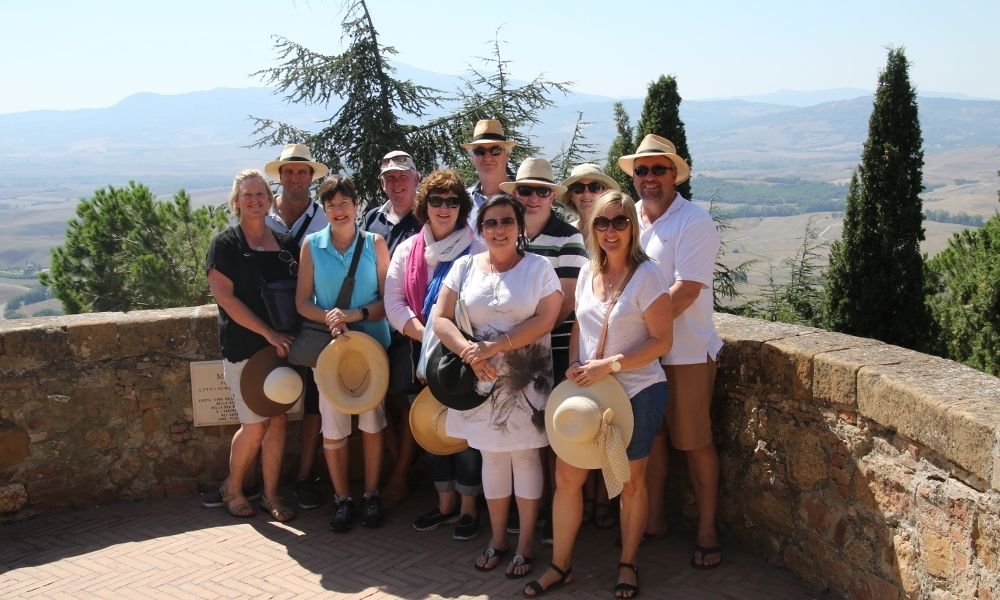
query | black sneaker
(343,516)
(371,512)
(307,492)
(546,537)
(213,498)
(434,519)
(513,520)
(468,528)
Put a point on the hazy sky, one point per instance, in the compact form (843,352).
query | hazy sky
(63,54)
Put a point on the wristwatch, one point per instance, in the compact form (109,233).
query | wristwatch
(615,366)
(364,313)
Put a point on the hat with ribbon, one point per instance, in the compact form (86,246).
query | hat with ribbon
(295,154)
(489,132)
(586,171)
(270,385)
(590,427)
(427,422)
(533,171)
(654,145)
(352,373)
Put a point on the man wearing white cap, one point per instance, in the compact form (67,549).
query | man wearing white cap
(682,238)
(296,213)
(489,150)
(395,221)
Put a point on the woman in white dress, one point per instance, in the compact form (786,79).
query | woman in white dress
(513,300)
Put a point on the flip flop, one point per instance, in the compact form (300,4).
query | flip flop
(489,554)
(520,560)
(705,552)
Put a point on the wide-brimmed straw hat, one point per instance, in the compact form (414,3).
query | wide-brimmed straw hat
(427,422)
(295,154)
(533,171)
(573,417)
(489,132)
(270,385)
(352,373)
(586,171)
(654,145)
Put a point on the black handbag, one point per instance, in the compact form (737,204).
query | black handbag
(278,296)
(314,337)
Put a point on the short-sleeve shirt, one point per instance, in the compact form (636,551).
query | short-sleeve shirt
(562,245)
(245,267)
(330,267)
(377,220)
(628,322)
(310,221)
(684,242)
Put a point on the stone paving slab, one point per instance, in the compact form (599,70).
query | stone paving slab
(174,548)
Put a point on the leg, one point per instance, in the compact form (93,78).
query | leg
(404,445)
(704,466)
(498,487)
(656,484)
(272,449)
(567,510)
(634,503)
(373,446)
(372,426)
(242,452)
(529,476)
(469,484)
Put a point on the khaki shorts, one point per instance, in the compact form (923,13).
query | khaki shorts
(689,404)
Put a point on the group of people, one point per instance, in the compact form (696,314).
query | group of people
(622,292)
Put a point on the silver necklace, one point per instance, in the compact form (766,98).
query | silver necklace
(498,279)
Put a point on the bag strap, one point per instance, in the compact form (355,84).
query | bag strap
(305,225)
(347,287)
(607,315)
(247,253)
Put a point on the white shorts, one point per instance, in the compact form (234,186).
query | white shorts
(337,425)
(232,373)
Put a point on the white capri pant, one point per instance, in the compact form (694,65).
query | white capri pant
(337,425)
(517,471)
(232,372)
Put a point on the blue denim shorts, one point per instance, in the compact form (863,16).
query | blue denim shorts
(647,410)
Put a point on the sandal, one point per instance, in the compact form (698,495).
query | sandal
(236,503)
(517,562)
(489,554)
(621,588)
(536,588)
(279,511)
(605,515)
(703,551)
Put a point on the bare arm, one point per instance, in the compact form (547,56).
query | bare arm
(683,294)
(568,300)
(224,293)
(523,334)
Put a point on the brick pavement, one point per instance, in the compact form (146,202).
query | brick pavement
(174,548)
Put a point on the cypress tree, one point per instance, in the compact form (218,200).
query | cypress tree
(875,284)
(624,143)
(661,115)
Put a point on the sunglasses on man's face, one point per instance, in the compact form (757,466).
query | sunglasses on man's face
(493,150)
(593,187)
(502,222)
(620,223)
(526,190)
(658,170)
(449,201)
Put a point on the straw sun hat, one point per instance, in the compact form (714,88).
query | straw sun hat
(352,372)
(533,171)
(295,154)
(427,422)
(489,132)
(654,145)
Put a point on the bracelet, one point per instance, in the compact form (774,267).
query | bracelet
(508,341)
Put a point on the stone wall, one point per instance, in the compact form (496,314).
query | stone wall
(869,470)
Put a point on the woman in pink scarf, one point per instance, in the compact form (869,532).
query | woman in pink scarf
(417,268)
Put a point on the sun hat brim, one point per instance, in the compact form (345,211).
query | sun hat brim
(608,393)
(255,372)
(352,373)
(427,417)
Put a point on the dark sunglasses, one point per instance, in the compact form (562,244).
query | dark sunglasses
(493,150)
(593,187)
(494,223)
(449,201)
(620,223)
(526,190)
(658,170)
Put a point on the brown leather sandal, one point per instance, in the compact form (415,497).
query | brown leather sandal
(236,503)
(277,508)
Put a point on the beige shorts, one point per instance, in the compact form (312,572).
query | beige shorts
(689,404)
(336,425)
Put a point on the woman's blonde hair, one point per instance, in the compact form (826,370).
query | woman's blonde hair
(636,254)
(234,195)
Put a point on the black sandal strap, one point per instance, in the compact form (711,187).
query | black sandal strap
(626,565)
(562,574)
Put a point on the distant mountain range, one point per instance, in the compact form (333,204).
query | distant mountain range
(199,139)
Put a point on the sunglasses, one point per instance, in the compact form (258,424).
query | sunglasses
(293,266)
(658,170)
(620,223)
(494,223)
(527,190)
(449,201)
(593,187)
(493,150)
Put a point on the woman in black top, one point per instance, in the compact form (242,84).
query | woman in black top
(239,258)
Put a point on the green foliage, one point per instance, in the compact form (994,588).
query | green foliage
(774,196)
(962,218)
(725,279)
(875,283)
(577,151)
(799,301)
(624,143)
(126,250)
(661,115)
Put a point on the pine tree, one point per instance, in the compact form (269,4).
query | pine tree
(800,300)
(577,151)
(624,143)
(726,279)
(661,115)
(875,283)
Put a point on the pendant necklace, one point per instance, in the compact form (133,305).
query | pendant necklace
(498,279)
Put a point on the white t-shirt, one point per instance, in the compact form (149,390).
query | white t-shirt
(684,242)
(504,422)
(627,328)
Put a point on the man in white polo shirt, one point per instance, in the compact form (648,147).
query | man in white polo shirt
(682,238)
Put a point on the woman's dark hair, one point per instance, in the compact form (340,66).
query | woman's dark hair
(502,199)
(337,184)
(443,181)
